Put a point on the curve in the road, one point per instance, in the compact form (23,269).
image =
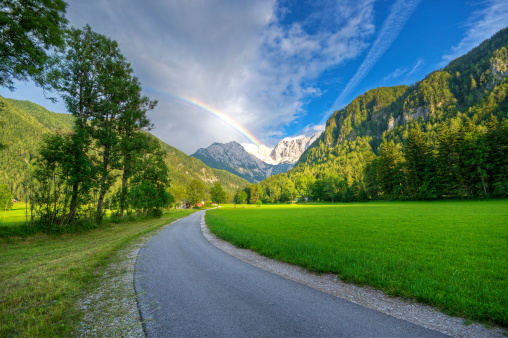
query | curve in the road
(188,287)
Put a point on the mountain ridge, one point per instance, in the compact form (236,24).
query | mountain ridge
(233,158)
(287,150)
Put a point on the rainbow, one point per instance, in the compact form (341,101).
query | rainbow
(200,105)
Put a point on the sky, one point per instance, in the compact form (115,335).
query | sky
(258,71)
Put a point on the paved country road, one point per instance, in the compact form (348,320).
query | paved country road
(188,287)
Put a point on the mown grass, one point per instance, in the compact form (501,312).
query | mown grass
(15,215)
(450,254)
(42,277)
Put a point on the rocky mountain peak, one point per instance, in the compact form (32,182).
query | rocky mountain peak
(288,150)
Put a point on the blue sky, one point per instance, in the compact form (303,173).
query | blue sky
(278,68)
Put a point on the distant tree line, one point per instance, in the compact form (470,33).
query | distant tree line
(470,162)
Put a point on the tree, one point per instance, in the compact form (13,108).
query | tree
(5,198)
(420,167)
(218,194)
(497,141)
(29,28)
(99,89)
(255,194)
(195,192)
(391,174)
(149,186)
(179,194)
(131,121)
(243,197)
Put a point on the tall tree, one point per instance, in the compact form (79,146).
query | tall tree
(391,174)
(150,183)
(420,167)
(131,121)
(29,28)
(497,141)
(218,194)
(98,88)
(195,192)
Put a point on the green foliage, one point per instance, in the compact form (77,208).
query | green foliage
(218,194)
(5,198)
(148,189)
(29,28)
(195,192)
(25,124)
(449,254)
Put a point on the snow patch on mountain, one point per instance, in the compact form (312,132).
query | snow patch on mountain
(288,150)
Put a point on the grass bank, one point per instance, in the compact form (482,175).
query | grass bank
(42,277)
(449,254)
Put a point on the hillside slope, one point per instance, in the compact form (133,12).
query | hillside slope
(474,85)
(26,122)
(467,91)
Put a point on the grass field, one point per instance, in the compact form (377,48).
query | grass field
(15,215)
(450,254)
(42,277)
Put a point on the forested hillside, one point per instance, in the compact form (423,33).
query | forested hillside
(447,132)
(26,122)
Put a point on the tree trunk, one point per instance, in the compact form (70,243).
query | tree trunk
(102,190)
(74,202)
(124,183)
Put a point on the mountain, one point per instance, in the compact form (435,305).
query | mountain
(288,150)
(459,99)
(26,122)
(474,85)
(233,158)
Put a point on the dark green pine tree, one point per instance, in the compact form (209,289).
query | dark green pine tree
(447,161)
(497,142)
(420,167)
(391,171)
(473,158)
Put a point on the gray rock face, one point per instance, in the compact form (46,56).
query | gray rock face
(287,150)
(233,158)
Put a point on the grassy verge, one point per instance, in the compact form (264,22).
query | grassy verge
(450,254)
(43,277)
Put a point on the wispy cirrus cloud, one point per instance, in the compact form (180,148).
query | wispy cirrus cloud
(480,26)
(399,14)
(404,72)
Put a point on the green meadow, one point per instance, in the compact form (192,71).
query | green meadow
(450,254)
(43,277)
(15,215)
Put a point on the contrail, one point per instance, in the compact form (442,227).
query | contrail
(400,12)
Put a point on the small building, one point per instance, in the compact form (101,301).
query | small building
(14,200)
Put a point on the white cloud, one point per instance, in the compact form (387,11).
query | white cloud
(237,56)
(480,26)
(400,12)
(404,71)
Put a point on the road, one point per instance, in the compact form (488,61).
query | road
(188,287)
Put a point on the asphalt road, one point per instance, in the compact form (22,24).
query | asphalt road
(188,287)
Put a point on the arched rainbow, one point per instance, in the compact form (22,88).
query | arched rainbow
(195,103)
